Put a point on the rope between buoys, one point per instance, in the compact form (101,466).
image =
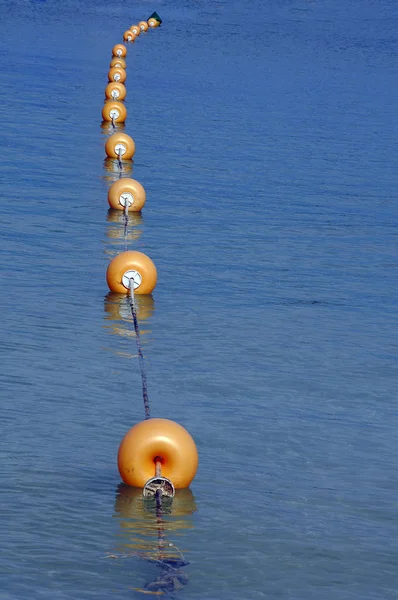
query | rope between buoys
(126,224)
(119,159)
(140,354)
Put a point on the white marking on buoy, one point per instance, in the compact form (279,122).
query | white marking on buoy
(120,149)
(114,113)
(115,94)
(126,199)
(131,276)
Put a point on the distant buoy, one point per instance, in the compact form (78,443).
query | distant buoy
(119,50)
(135,29)
(131,265)
(155,438)
(117,74)
(120,144)
(154,20)
(114,111)
(118,62)
(143,25)
(126,191)
(153,23)
(115,91)
(129,36)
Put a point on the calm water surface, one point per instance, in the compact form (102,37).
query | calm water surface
(266,141)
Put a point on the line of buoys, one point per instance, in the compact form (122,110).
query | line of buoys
(158,455)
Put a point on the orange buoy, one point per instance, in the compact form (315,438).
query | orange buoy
(118,62)
(129,36)
(135,29)
(143,25)
(117,74)
(115,91)
(131,265)
(119,50)
(120,144)
(128,192)
(114,111)
(155,438)
(153,23)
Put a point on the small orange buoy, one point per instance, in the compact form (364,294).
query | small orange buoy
(157,438)
(131,265)
(135,29)
(119,50)
(115,91)
(120,144)
(153,23)
(118,62)
(117,74)
(126,191)
(114,111)
(129,36)
(143,25)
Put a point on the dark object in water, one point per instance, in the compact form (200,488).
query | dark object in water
(155,16)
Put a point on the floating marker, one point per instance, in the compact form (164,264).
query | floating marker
(120,145)
(117,74)
(118,62)
(157,439)
(129,36)
(136,29)
(114,111)
(119,50)
(126,193)
(143,25)
(155,20)
(115,91)
(131,265)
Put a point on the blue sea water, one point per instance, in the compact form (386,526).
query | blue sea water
(266,137)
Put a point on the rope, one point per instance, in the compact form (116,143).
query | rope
(140,354)
(126,224)
(119,156)
(113,122)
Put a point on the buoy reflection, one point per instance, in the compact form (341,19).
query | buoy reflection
(149,532)
(118,318)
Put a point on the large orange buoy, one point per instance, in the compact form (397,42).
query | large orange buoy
(117,74)
(152,439)
(135,29)
(115,91)
(114,111)
(119,50)
(143,25)
(128,192)
(131,265)
(120,145)
(153,23)
(118,62)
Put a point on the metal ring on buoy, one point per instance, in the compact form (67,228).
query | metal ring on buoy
(126,192)
(157,438)
(119,50)
(136,29)
(120,145)
(131,265)
(129,36)
(143,25)
(114,111)
(115,91)
(117,74)
(153,23)
(118,62)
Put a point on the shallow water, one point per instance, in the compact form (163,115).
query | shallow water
(266,142)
